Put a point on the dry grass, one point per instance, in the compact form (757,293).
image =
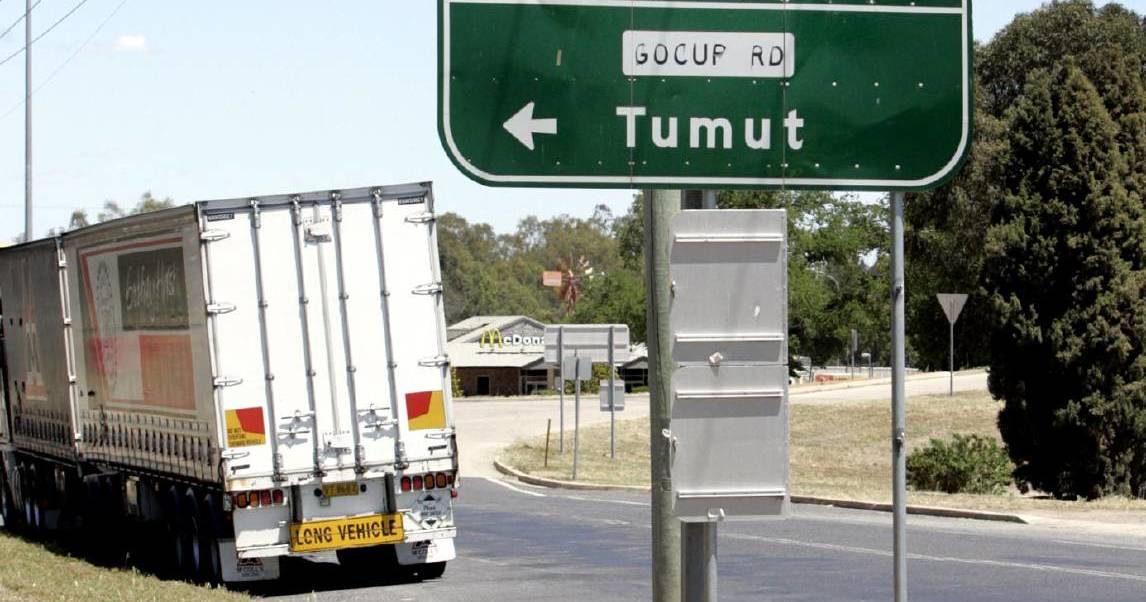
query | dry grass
(838,450)
(30,571)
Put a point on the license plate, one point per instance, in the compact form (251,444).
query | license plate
(315,536)
(337,489)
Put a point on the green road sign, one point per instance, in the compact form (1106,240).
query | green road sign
(843,94)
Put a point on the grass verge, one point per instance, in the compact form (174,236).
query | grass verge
(838,450)
(31,571)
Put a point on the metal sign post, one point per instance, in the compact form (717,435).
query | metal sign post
(898,401)
(952,307)
(561,390)
(612,406)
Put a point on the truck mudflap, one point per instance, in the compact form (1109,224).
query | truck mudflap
(423,552)
(237,570)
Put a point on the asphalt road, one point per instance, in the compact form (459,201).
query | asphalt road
(519,543)
(485,427)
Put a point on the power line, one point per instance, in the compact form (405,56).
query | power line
(44,33)
(18,21)
(70,58)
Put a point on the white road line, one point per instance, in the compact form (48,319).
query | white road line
(511,487)
(599,500)
(1105,546)
(1050,568)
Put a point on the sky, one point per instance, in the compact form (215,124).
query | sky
(223,99)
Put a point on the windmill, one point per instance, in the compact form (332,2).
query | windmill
(568,279)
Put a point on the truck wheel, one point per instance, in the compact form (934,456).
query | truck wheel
(432,570)
(210,565)
(375,561)
(8,504)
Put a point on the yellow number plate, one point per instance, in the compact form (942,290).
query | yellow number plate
(337,489)
(354,532)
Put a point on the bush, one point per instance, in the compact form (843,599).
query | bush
(969,464)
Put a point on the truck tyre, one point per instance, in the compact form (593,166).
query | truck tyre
(210,564)
(190,532)
(7,507)
(373,562)
(432,570)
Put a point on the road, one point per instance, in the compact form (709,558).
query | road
(488,426)
(520,543)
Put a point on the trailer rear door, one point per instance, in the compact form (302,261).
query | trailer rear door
(327,328)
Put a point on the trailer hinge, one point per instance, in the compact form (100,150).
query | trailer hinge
(256,214)
(400,461)
(217,309)
(421,218)
(227,381)
(336,204)
(435,362)
(433,288)
(214,235)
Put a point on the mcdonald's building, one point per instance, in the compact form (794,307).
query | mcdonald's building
(500,355)
(504,356)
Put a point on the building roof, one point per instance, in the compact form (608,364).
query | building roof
(471,329)
(473,355)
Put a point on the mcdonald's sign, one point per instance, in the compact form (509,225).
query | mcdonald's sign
(492,337)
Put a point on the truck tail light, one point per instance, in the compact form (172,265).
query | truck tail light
(417,482)
(259,499)
(440,480)
(407,484)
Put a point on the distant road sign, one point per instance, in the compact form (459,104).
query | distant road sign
(850,94)
(551,279)
(952,305)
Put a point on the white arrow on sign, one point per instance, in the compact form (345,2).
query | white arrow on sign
(523,126)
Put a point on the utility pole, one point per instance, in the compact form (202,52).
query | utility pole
(28,121)
(659,208)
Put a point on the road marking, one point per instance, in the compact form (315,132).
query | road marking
(511,487)
(1100,545)
(972,561)
(593,499)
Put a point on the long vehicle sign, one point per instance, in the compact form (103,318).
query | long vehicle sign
(845,95)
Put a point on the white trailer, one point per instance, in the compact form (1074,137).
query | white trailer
(261,377)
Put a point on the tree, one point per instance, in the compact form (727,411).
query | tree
(147,203)
(1065,271)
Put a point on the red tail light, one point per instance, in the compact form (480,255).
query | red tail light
(417,482)
(254,497)
(406,485)
(278,496)
(265,497)
(240,499)
(440,479)
(429,480)
(453,493)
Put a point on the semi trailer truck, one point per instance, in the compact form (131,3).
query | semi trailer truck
(231,382)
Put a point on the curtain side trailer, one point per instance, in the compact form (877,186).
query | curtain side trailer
(249,379)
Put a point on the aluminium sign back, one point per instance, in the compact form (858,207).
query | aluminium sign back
(846,95)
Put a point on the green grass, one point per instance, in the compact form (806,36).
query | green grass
(838,450)
(31,571)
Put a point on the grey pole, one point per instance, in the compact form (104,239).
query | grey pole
(561,389)
(951,387)
(612,402)
(576,415)
(699,579)
(28,121)
(659,208)
(699,575)
(898,399)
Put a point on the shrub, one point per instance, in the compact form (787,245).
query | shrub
(968,464)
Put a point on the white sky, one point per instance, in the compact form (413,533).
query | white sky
(220,99)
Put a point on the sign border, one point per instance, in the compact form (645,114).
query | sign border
(445,132)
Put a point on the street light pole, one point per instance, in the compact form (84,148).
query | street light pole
(28,121)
